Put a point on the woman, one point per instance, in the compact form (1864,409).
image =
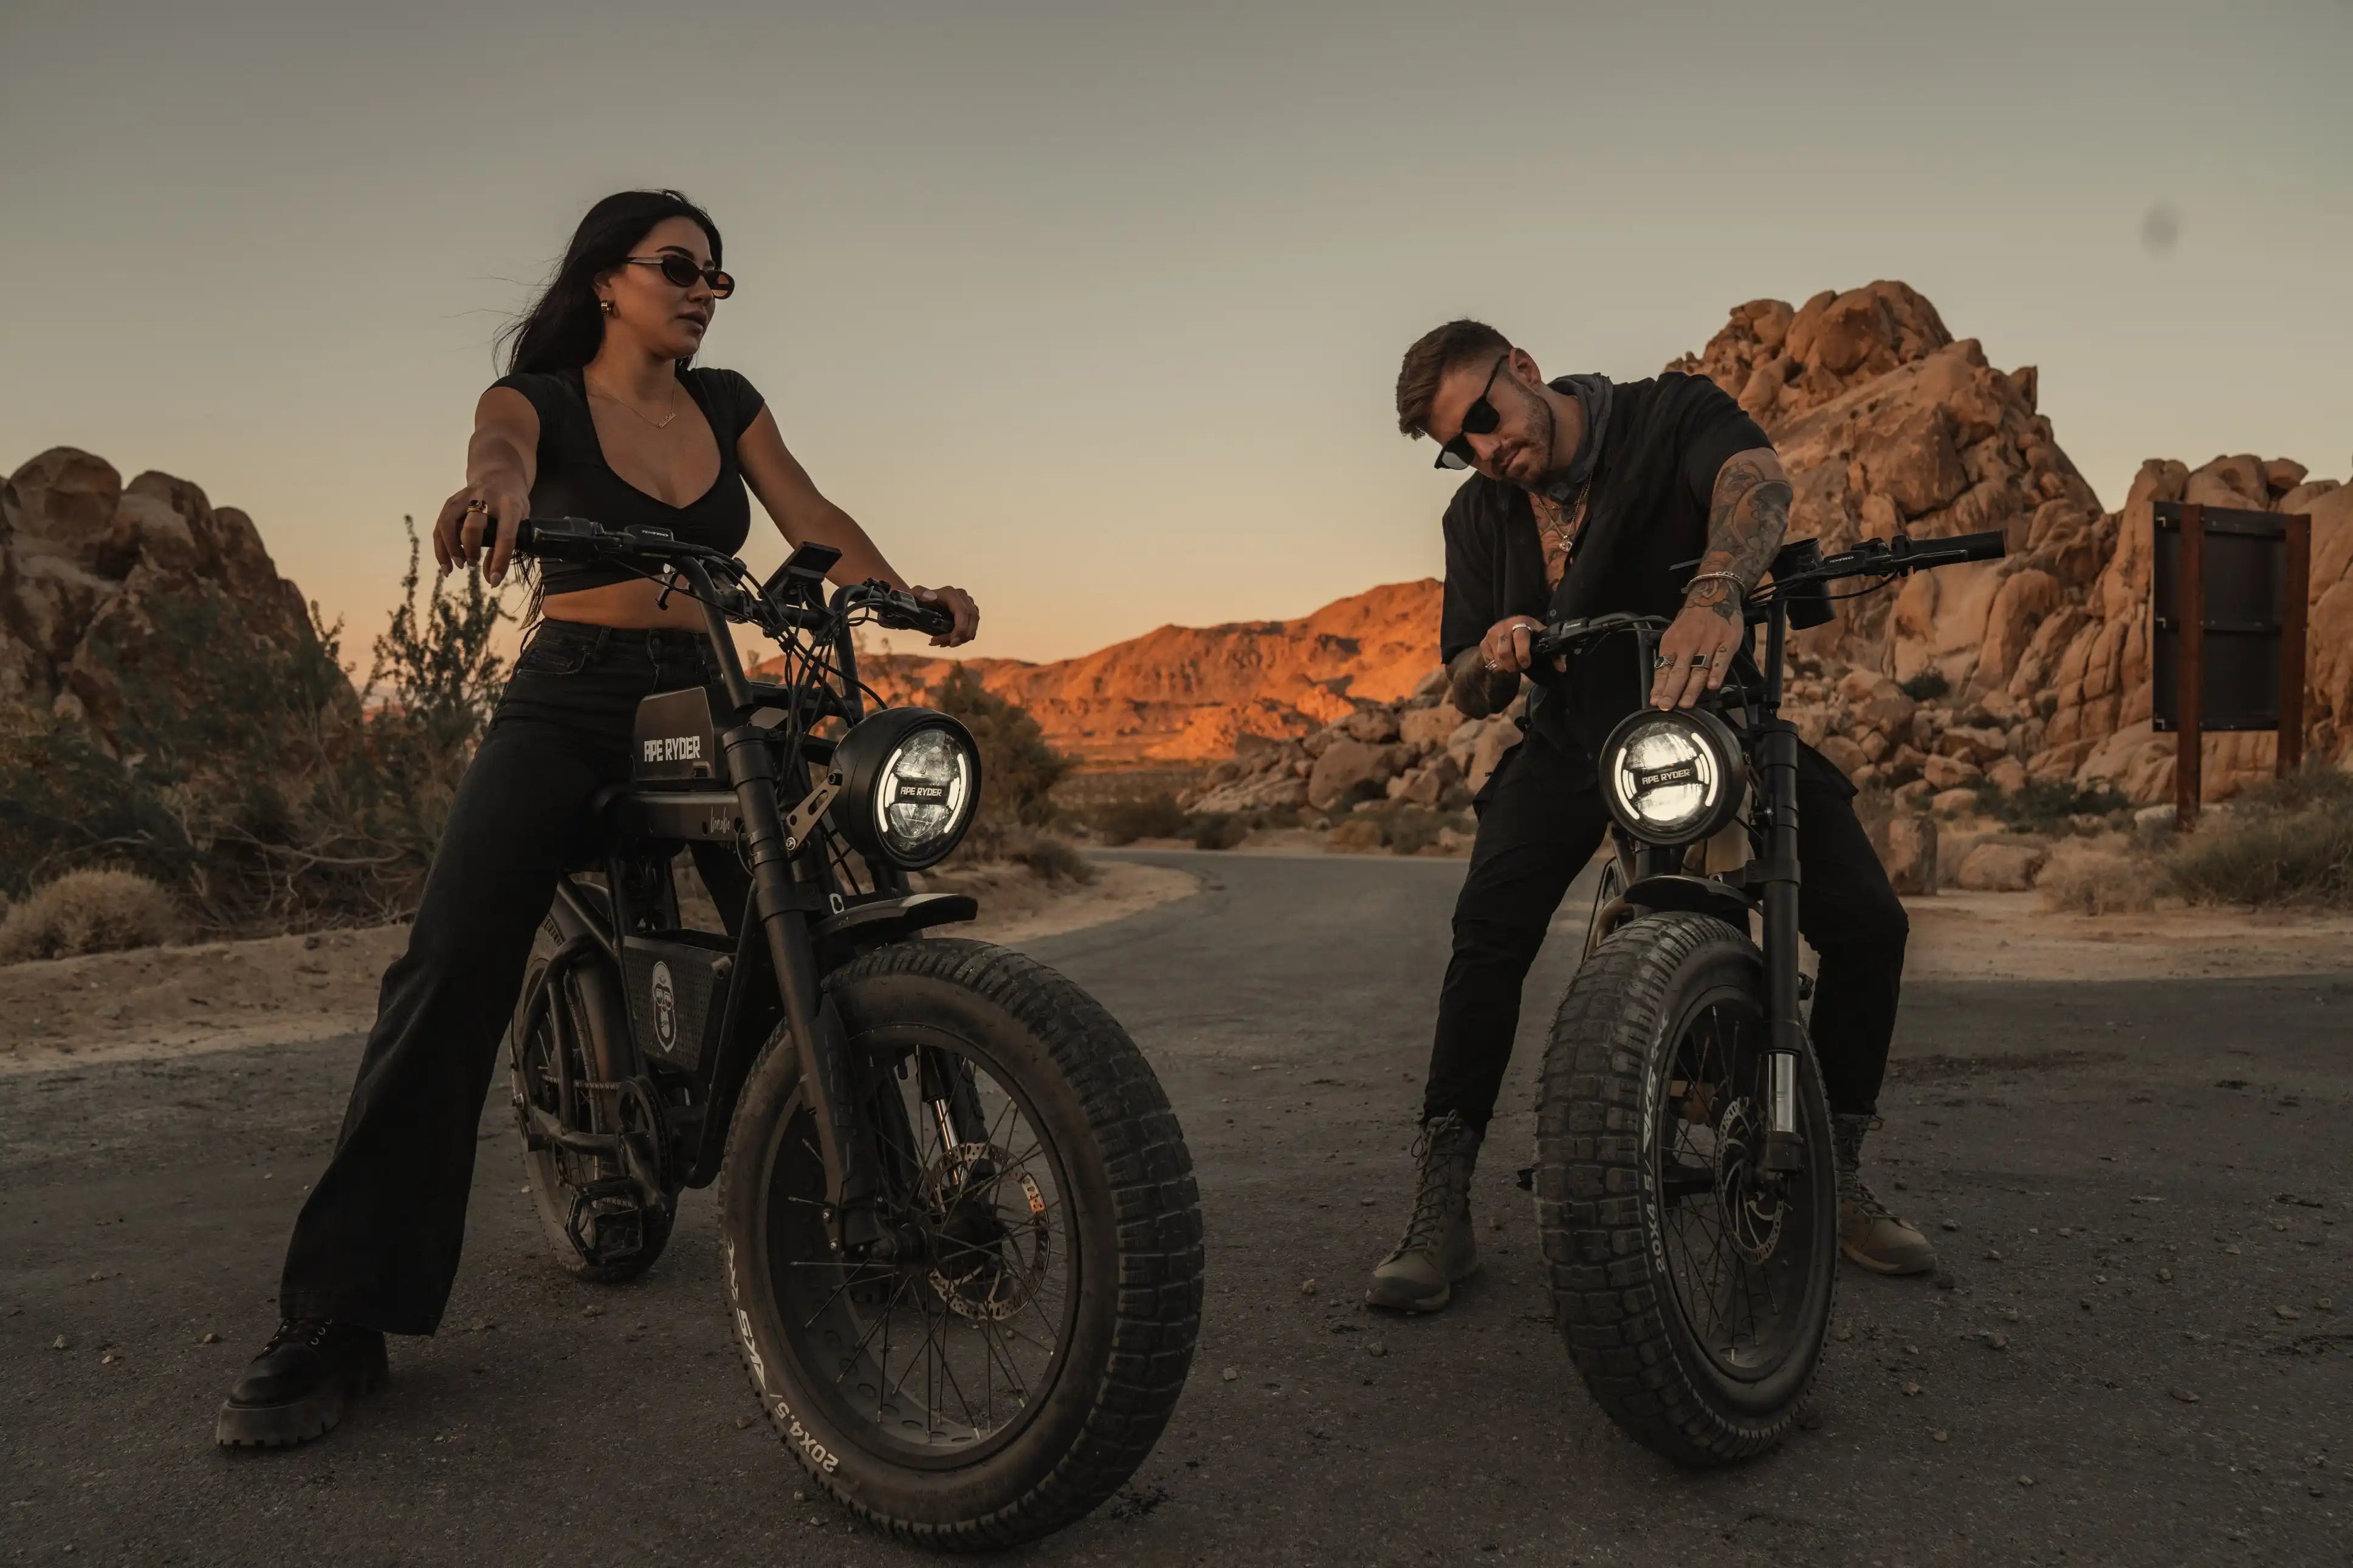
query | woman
(602,416)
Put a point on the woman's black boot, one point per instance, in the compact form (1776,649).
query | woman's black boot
(296,1387)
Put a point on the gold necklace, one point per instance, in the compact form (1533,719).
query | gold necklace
(658,424)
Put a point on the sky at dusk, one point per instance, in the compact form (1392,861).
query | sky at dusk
(1095,308)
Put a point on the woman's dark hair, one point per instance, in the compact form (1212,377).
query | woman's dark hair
(564,327)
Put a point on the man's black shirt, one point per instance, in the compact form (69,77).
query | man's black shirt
(1651,484)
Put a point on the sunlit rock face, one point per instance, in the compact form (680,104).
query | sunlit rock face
(1886,421)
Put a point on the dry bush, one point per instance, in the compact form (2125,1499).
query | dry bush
(90,910)
(1220,830)
(1154,816)
(1050,859)
(2287,843)
(2100,876)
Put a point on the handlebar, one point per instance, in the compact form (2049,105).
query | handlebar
(1875,558)
(583,539)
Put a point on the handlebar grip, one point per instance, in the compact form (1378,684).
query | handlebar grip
(931,622)
(1990,546)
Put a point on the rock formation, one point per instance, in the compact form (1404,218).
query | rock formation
(1885,421)
(1418,751)
(1186,694)
(86,564)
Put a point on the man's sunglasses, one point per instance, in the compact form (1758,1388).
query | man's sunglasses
(1479,419)
(681,271)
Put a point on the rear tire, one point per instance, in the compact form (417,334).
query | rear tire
(591,994)
(1620,1192)
(1126,1225)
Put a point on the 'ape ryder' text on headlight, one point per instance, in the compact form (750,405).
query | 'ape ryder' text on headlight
(1672,777)
(924,788)
(910,781)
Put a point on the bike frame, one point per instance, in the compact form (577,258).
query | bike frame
(795,914)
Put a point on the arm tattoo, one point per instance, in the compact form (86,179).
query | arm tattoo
(1745,521)
(1475,691)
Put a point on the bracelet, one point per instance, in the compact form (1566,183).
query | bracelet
(1739,589)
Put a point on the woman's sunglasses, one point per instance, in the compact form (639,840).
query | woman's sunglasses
(1479,419)
(682,272)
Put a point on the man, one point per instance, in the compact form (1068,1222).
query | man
(1589,497)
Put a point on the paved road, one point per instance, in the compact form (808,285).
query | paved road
(2096,1136)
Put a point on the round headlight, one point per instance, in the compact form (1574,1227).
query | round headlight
(1672,777)
(909,782)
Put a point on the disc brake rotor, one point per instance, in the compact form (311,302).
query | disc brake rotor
(1753,1213)
(978,1263)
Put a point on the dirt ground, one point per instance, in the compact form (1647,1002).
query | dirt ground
(225,995)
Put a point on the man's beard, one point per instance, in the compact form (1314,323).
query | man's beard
(1557,463)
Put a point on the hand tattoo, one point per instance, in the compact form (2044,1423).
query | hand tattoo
(1745,521)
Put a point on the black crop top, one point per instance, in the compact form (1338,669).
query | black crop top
(574,480)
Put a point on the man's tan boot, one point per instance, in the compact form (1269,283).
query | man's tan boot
(1868,1233)
(1438,1250)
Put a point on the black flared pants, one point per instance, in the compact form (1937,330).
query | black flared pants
(378,1240)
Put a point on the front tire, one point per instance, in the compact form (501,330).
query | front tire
(1063,1252)
(1693,1296)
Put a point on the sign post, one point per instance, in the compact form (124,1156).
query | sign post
(2227,625)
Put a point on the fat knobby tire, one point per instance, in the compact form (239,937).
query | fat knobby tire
(550,1197)
(1611,1299)
(1130,1135)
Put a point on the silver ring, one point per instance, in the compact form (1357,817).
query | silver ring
(1699,661)
(1489,664)
(1661,662)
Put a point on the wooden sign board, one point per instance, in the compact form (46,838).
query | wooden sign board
(2227,631)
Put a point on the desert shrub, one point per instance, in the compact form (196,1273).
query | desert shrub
(98,909)
(1358,832)
(1017,769)
(1152,816)
(1049,858)
(1410,829)
(2289,842)
(245,777)
(2045,807)
(2100,877)
(1219,830)
(1926,686)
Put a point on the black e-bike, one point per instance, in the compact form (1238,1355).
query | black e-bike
(957,1218)
(1686,1184)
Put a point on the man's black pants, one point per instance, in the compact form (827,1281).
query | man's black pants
(1541,822)
(378,1240)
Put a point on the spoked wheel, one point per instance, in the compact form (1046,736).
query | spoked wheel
(1018,1354)
(596,1219)
(1692,1287)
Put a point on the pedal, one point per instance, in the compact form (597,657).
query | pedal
(619,1234)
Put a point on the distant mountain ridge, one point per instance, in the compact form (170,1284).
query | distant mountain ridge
(1187,694)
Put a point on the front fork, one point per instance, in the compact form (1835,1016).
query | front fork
(1784,1028)
(851,1187)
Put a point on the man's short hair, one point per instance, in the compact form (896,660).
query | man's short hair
(1433,354)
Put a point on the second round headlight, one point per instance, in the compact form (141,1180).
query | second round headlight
(1672,777)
